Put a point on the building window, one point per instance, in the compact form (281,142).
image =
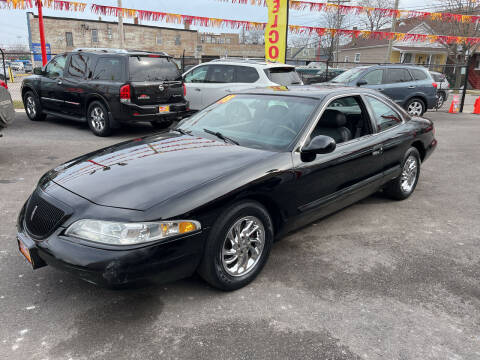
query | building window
(109,34)
(159,39)
(95,35)
(69,39)
(357,58)
(227,40)
(346,59)
(177,40)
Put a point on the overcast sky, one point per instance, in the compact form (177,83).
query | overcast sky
(13,28)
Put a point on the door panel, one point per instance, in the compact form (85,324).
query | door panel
(398,84)
(74,86)
(195,81)
(50,84)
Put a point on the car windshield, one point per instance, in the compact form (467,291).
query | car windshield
(268,122)
(348,75)
(153,68)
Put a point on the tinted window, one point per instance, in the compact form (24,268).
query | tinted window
(197,75)
(397,76)
(418,74)
(374,77)
(55,67)
(108,69)
(221,74)
(246,74)
(259,121)
(438,77)
(385,116)
(151,68)
(283,76)
(78,66)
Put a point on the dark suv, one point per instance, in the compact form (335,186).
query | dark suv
(106,87)
(411,87)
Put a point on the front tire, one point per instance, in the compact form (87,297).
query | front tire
(415,107)
(98,120)
(32,107)
(238,246)
(403,186)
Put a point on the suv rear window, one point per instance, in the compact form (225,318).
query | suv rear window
(438,77)
(109,68)
(283,76)
(419,74)
(152,68)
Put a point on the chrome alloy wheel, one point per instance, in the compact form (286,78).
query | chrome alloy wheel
(415,108)
(243,246)
(409,174)
(31,107)
(97,118)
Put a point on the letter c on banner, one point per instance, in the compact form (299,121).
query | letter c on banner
(273,36)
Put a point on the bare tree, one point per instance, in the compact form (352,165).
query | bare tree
(375,20)
(330,42)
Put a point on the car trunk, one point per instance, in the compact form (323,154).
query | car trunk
(154,80)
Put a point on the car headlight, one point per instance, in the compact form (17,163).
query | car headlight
(117,233)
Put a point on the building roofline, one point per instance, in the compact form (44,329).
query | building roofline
(110,22)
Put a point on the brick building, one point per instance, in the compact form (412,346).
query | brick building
(66,34)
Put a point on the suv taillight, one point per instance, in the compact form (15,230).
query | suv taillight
(125,94)
(184,90)
(4,84)
(434,85)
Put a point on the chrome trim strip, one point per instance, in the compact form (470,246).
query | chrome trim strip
(72,103)
(50,99)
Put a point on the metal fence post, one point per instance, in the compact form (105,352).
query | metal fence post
(465,82)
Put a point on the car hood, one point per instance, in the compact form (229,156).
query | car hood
(143,172)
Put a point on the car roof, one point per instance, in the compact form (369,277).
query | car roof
(125,52)
(312,91)
(258,62)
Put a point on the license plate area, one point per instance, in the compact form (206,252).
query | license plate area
(164,109)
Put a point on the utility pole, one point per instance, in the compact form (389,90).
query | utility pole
(120,26)
(393,28)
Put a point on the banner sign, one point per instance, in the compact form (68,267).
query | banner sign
(37,51)
(276,30)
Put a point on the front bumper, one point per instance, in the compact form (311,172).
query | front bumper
(115,266)
(136,113)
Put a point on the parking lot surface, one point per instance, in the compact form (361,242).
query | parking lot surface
(378,280)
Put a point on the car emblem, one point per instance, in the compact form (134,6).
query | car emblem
(33,212)
(161,87)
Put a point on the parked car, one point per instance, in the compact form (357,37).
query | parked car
(208,82)
(107,87)
(310,75)
(16,66)
(443,87)
(7,112)
(412,87)
(27,66)
(211,194)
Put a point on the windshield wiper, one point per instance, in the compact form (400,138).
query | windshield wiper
(221,136)
(183,132)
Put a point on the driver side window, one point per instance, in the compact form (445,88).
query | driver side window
(55,67)
(374,77)
(197,75)
(344,119)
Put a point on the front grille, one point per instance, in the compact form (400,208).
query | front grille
(41,217)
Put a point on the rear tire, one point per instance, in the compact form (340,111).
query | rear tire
(162,125)
(233,254)
(98,119)
(441,100)
(415,107)
(404,186)
(32,107)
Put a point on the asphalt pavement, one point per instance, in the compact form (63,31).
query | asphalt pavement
(378,280)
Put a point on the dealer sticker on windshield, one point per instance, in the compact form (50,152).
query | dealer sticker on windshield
(225,99)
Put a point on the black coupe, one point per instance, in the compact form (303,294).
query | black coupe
(212,194)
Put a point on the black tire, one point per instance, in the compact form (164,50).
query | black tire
(32,106)
(441,99)
(415,107)
(212,269)
(161,125)
(394,189)
(98,119)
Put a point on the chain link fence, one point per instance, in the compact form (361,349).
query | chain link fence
(451,78)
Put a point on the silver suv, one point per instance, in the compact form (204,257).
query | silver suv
(208,82)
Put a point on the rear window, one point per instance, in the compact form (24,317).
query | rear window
(419,74)
(149,68)
(283,76)
(438,77)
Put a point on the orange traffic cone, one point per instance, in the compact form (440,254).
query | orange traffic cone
(454,107)
(476,108)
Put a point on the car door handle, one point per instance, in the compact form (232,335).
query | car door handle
(412,87)
(378,150)
(381,89)
(59,82)
(197,89)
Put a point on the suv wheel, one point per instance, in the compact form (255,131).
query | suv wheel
(415,107)
(98,121)
(32,107)
(238,246)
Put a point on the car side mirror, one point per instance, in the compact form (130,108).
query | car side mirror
(320,144)
(362,82)
(38,71)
